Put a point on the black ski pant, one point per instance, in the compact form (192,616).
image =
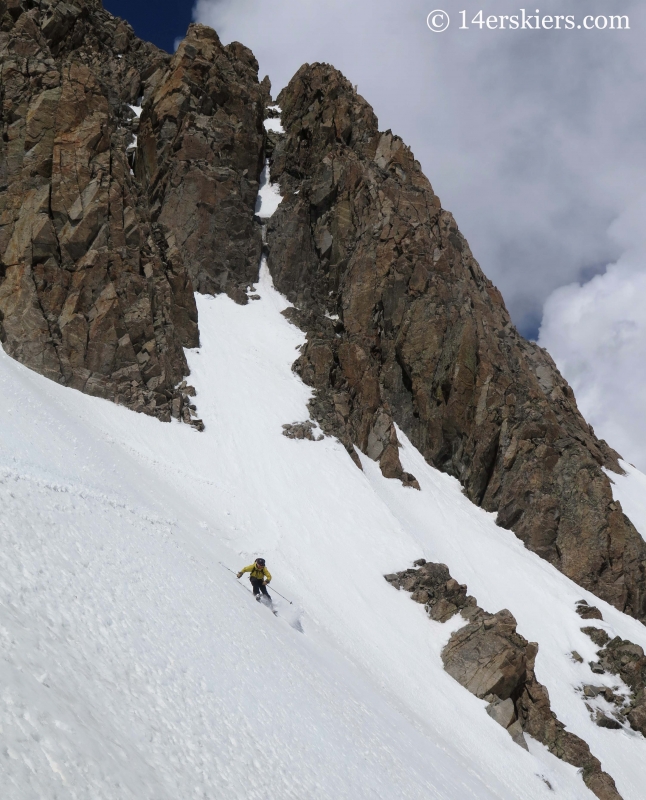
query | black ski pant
(259,586)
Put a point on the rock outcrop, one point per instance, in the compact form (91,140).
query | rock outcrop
(301,430)
(98,266)
(404,328)
(200,153)
(586,611)
(494,662)
(627,660)
(92,294)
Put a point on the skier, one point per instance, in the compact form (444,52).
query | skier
(259,577)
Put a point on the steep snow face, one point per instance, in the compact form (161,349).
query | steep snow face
(630,490)
(136,666)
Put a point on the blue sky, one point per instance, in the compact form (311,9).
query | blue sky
(160,22)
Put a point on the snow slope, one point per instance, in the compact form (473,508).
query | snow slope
(135,666)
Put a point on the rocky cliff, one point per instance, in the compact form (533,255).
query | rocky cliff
(96,286)
(403,327)
(200,155)
(104,237)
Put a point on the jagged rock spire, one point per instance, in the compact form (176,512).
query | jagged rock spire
(403,327)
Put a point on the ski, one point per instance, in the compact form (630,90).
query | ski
(268,605)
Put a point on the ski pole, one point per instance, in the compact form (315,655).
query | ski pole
(281,595)
(242,586)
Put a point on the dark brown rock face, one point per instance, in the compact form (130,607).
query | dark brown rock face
(91,294)
(404,327)
(494,662)
(97,266)
(201,152)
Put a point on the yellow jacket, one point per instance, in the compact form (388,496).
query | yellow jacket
(259,574)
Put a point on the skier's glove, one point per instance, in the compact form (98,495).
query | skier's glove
(239,575)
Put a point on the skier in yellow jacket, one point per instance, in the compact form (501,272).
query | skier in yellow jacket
(259,577)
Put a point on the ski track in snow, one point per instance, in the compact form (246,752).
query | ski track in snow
(134,667)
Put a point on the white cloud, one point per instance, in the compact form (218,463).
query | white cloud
(597,335)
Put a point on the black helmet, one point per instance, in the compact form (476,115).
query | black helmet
(260,561)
